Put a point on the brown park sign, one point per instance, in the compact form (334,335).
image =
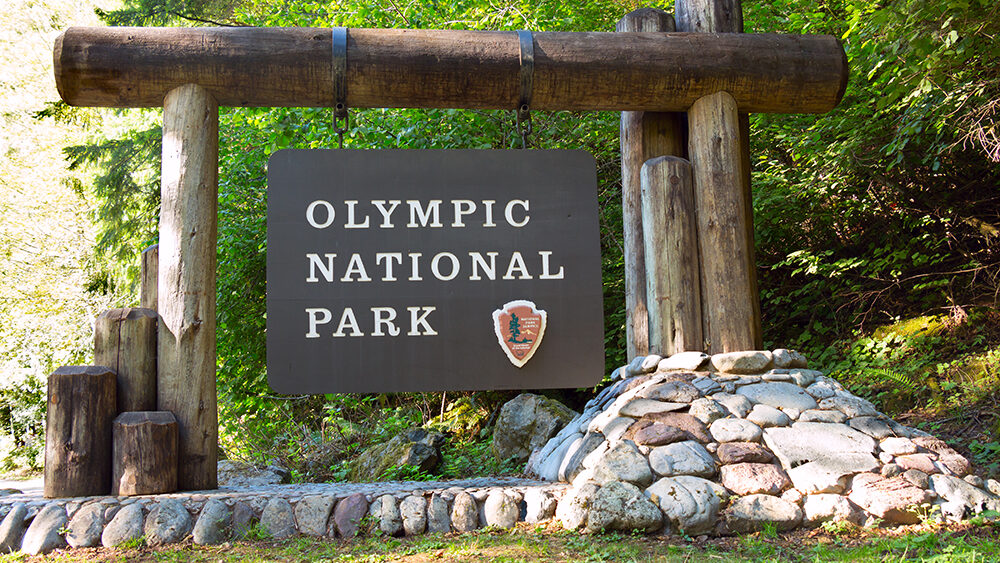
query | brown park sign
(402,270)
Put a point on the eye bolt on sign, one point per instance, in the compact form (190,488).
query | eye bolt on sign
(431,270)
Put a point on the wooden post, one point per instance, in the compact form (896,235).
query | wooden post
(726,16)
(125,341)
(186,292)
(727,287)
(644,135)
(144,461)
(150,269)
(673,289)
(81,406)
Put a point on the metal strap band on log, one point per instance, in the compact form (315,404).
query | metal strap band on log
(282,67)
(339,71)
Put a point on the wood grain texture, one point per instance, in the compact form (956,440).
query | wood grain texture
(644,135)
(186,293)
(672,273)
(144,459)
(726,16)
(125,341)
(136,67)
(81,406)
(148,275)
(720,205)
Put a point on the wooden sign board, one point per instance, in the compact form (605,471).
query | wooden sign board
(431,270)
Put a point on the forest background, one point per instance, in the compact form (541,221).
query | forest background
(876,225)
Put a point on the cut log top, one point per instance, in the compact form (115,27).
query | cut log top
(136,67)
(145,417)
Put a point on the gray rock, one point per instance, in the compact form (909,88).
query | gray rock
(211,526)
(464,513)
(548,468)
(573,460)
(671,392)
(917,478)
(656,434)
(822,390)
(735,430)
(775,375)
(501,510)
(635,366)
(12,528)
(622,462)
(347,516)
(820,508)
(891,470)
(525,423)
(993,486)
(830,474)
(622,506)
(43,534)
(706,385)
(413,510)
(690,504)
(807,441)
(278,519)
(312,513)
(168,522)
(751,361)
(385,511)
(804,377)
(778,395)
(743,452)
(975,481)
(816,415)
(243,519)
(682,458)
(86,526)
(574,508)
(617,427)
(736,404)
(874,427)
(125,526)
(540,505)
(638,408)
(766,416)
(437,515)
(751,513)
(707,410)
(650,363)
(686,361)
(784,358)
(415,447)
(957,491)
(850,405)
(237,474)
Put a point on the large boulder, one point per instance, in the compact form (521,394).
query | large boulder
(526,423)
(415,447)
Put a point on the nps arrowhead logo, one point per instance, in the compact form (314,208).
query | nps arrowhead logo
(519,327)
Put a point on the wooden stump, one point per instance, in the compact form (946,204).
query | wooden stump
(81,406)
(125,341)
(150,271)
(727,283)
(144,460)
(644,135)
(186,278)
(673,290)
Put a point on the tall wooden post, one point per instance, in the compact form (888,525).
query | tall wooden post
(644,135)
(149,273)
(726,16)
(125,341)
(721,210)
(186,288)
(673,290)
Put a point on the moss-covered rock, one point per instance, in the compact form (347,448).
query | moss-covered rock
(416,447)
(527,422)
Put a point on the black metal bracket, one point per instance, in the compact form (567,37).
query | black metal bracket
(527,62)
(339,73)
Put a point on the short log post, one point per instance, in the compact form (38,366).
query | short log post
(672,287)
(125,341)
(149,273)
(727,284)
(186,292)
(144,460)
(644,135)
(81,406)
(726,16)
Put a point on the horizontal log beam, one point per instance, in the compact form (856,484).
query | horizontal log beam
(282,67)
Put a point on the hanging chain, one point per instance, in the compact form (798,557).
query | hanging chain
(527,60)
(341,119)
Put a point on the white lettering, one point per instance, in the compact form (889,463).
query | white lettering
(462,207)
(479,262)
(424,214)
(311,214)
(380,320)
(415,267)
(416,322)
(517,263)
(348,320)
(351,223)
(545,254)
(325,317)
(454,266)
(355,267)
(508,212)
(488,204)
(325,269)
(386,213)
(388,257)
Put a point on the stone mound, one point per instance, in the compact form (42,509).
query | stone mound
(733,442)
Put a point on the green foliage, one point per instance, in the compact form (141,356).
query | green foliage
(22,424)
